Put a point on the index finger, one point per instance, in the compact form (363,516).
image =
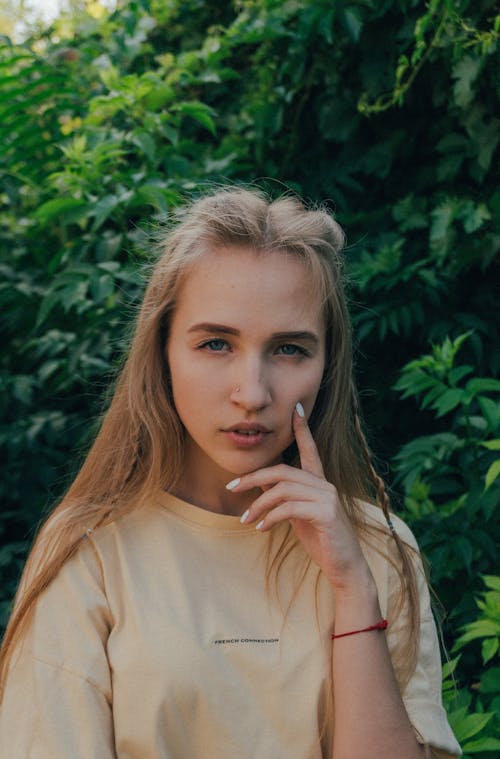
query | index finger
(308,451)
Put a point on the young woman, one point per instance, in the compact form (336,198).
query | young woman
(223,578)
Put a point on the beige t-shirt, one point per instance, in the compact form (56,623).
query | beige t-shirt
(158,640)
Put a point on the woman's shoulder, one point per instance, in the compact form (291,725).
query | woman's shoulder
(373,516)
(125,529)
(128,520)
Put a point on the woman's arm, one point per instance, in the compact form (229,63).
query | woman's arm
(370,719)
(369,715)
(58,696)
(50,712)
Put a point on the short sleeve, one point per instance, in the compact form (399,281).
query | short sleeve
(57,701)
(422,694)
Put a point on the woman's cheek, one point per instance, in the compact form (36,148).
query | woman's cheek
(308,391)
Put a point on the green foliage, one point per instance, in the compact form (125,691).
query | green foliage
(450,489)
(109,121)
(440,24)
(443,474)
(474,714)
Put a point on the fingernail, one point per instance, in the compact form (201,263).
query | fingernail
(259,526)
(244,516)
(300,410)
(233,483)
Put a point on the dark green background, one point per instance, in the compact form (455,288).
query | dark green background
(386,112)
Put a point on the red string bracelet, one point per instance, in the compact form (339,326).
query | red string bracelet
(382,625)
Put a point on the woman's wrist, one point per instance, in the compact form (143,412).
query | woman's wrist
(357,604)
(357,587)
(357,612)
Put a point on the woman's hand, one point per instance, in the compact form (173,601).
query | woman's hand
(312,506)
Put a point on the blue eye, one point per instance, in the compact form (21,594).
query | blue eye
(289,349)
(216,345)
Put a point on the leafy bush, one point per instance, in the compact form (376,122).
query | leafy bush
(443,474)
(451,493)
(474,714)
(109,121)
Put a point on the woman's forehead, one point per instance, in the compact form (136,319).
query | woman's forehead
(246,284)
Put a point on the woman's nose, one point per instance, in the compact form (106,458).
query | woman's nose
(251,388)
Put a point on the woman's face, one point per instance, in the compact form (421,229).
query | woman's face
(246,342)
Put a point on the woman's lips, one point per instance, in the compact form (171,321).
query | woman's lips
(246,438)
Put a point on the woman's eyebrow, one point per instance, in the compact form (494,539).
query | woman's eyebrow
(209,327)
(311,337)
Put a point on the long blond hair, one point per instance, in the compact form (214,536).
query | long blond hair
(139,449)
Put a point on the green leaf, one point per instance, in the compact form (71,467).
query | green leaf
(74,295)
(492,581)
(492,474)
(325,24)
(101,287)
(103,209)
(481,628)
(463,548)
(483,385)
(476,218)
(491,412)
(489,647)
(171,133)
(51,300)
(465,73)
(490,681)
(470,725)
(450,666)
(71,208)
(480,745)
(436,392)
(492,445)
(159,197)
(410,214)
(353,23)
(442,220)
(459,373)
(199,112)
(145,142)
(47,370)
(158,97)
(448,401)
(22,389)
